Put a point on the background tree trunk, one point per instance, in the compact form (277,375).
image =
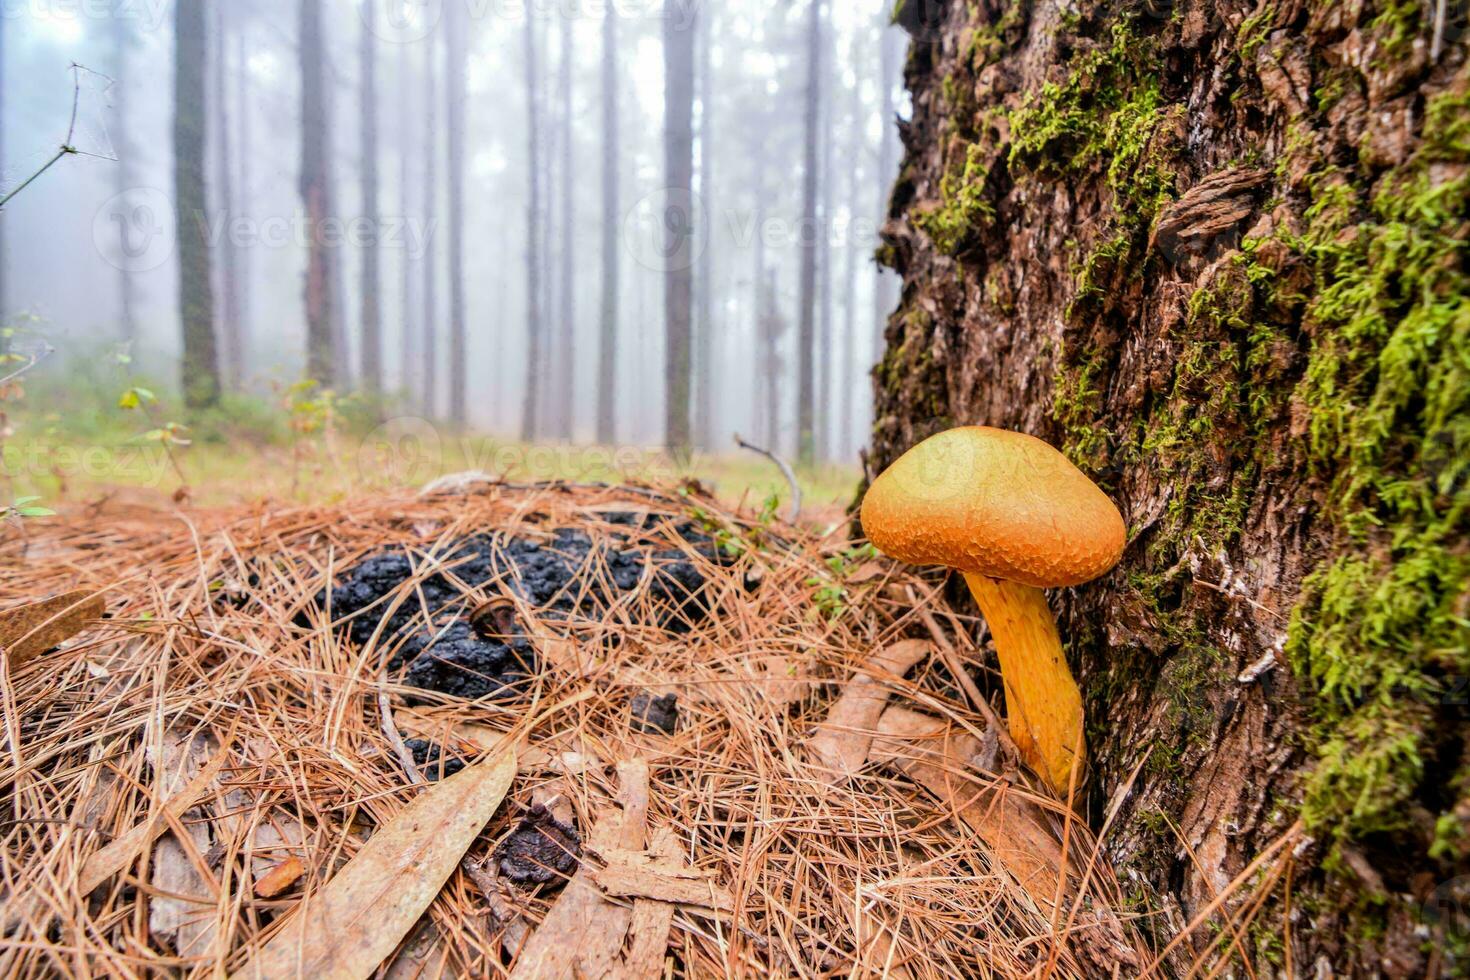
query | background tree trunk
(245,151)
(321,340)
(1216,251)
(530,423)
(429,335)
(409,337)
(825,364)
(456,65)
(807,324)
(607,363)
(233,361)
(679,26)
(4,294)
(564,364)
(704,329)
(372,313)
(890,47)
(123,40)
(200,366)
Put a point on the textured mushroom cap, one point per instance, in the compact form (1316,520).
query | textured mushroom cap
(996,503)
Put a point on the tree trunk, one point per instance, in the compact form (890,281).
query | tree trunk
(200,366)
(321,346)
(704,329)
(4,285)
(807,324)
(124,174)
(847,376)
(607,363)
(456,65)
(890,49)
(229,307)
(429,336)
(530,422)
(679,26)
(408,337)
(566,355)
(372,315)
(773,328)
(245,150)
(1216,252)
(825,362)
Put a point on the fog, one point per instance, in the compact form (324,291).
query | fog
(92,248)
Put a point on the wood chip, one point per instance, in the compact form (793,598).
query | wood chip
(652,920)
(181,913)
(842,741)
(349,927)
(30,630)
(124,850)
(637,875)
(280,878)
(583,933)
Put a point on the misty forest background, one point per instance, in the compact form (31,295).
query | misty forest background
(584,221)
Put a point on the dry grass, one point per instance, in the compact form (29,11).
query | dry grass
(830,876)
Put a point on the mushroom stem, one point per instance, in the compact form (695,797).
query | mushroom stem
(1043,705)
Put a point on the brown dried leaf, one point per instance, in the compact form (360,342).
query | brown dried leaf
(32,629)
(349,927)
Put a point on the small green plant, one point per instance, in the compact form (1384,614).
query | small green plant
(831,595)
(168,434)
(23,507)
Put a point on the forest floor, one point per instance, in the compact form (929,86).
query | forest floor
(644,730)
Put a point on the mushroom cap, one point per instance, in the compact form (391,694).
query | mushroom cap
(994,503)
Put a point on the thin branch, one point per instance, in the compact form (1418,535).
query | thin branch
(786,471)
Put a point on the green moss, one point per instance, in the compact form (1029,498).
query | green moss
(1103,116)
(1383,628)
(965,209)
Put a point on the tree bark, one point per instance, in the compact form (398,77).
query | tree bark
(321,339)
(456,65)
(806,379)
(1215,251)
(429,335)
(679,26)
(607,363)
(530,422)
(200,366)
(372,311)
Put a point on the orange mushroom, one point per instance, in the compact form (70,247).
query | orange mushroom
(1016,517)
